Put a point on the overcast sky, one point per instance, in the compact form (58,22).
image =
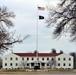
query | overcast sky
(26,23)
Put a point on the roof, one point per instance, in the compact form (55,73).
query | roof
(39,54)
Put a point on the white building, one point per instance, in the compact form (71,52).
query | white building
(44,60)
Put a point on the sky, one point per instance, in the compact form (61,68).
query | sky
(25,23)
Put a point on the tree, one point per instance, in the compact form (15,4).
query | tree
(74,58)
(53,50)
(61,52)
(52,63)
(7,38)
(23,64)
(63,18)
(36,51)
(0,62)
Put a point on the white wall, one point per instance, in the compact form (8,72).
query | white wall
(6,59)
(40,60)
(67,61)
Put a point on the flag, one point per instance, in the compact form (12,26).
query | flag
(41,17)
(41,8)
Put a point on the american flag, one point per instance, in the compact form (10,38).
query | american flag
(41,8)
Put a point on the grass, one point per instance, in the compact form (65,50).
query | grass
(37,72)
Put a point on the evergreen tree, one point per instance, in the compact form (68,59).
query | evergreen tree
(53,50)
(74,59)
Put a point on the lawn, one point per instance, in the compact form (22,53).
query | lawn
(37,72)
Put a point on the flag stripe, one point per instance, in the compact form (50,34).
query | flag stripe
(41,8)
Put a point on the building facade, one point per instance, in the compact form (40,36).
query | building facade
(43,60)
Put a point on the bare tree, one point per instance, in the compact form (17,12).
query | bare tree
(7,38)
(63,18)
(52,63)
(23,64)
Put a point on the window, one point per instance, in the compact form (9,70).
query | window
(69,64)
(42,58)
(16,64)
(47,64)
(52,59)
(64,64)
(43,64)
(47,58)
(22,58)
(58,64)
(64,59)
(16,58)
(32,64)
(10,64)
(11,58)
(5,64)
(69,59)
(37,58)
(58,58)
(32,58)
(5,58)
(27,64)
(27,58)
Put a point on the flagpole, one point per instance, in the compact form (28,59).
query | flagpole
(38,17)
(37,34)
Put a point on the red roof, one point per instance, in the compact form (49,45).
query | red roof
(39,54)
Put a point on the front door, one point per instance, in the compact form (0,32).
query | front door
(37,66)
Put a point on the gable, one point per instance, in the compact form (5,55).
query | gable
(11,55)
(64,55)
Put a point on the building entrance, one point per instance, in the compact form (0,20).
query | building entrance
(37,66)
